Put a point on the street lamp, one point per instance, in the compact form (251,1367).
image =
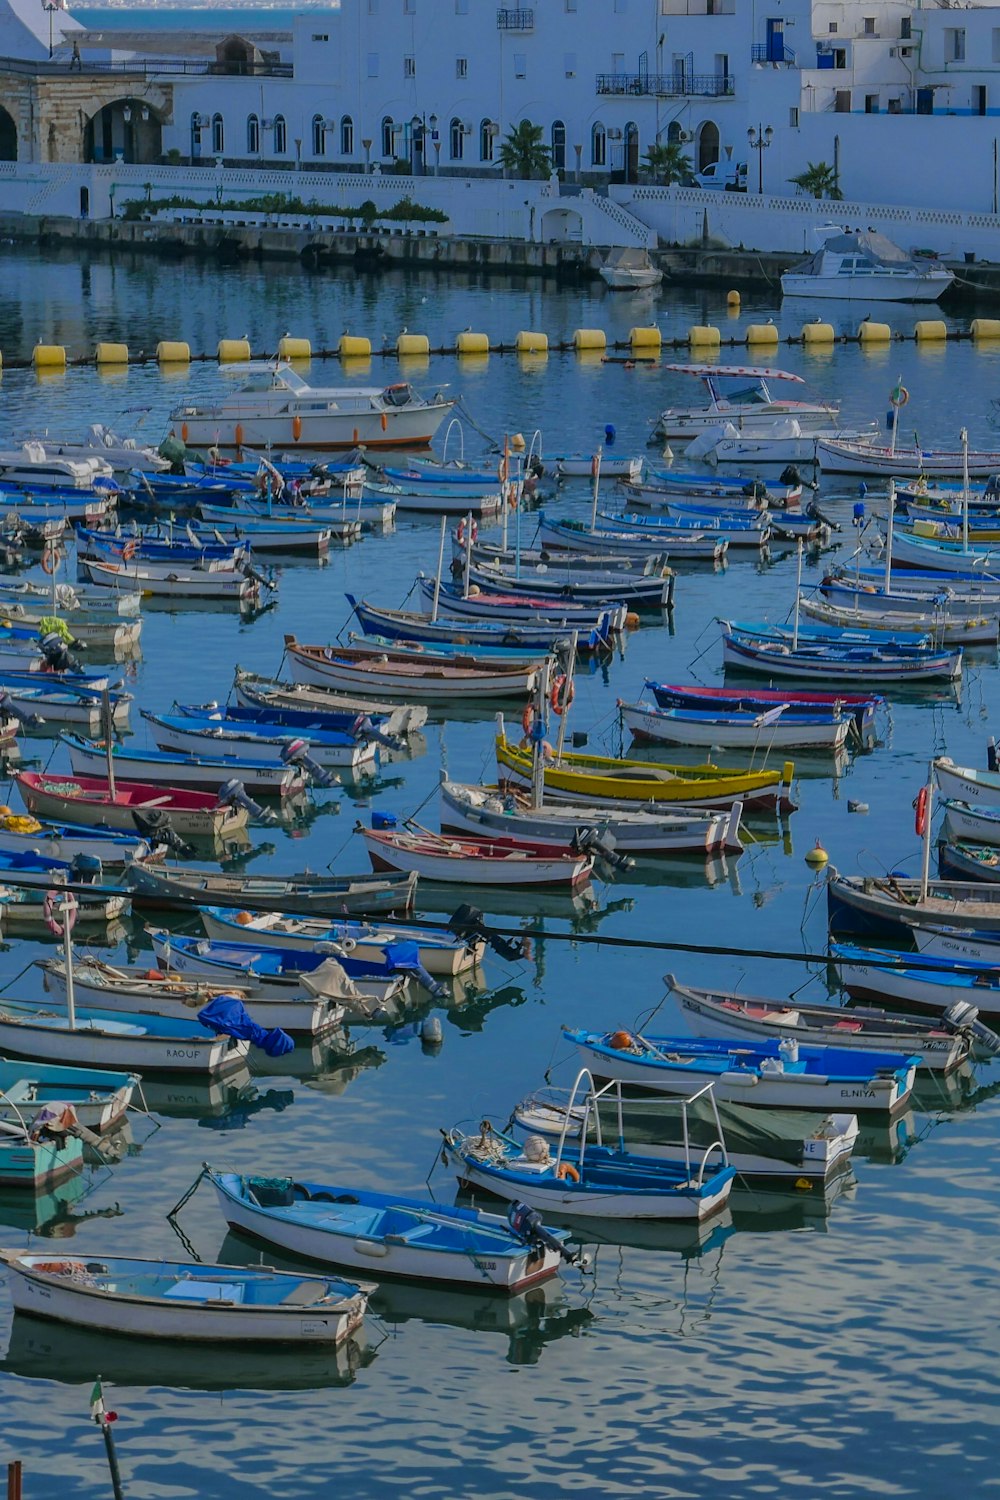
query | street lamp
(51,8)
(759,141)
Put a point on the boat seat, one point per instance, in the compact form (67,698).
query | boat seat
(305,1294)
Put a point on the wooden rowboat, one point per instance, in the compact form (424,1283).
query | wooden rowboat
(473,861)
(88,800)
(429,680)
(777,727)
(328,895)
(311,702)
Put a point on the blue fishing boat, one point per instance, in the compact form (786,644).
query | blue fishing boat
(505,608)
(125,546)
(779,1074)
(760,700)
(876,975)
(839,663)
(411,625)
(213,733)
(38,1149)
(278,776)
(389,1234)
(349,722)
(22,834)
(99,1096)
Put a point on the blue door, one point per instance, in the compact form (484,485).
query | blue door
(775,39)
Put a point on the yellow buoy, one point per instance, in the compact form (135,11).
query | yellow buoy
(931,330)
(233,351)
(468,342)
(704,336)
(590,339)
(49,357)
(874,333)
(762,333)
(173,353)
(818,333)
(817,855)
(111,354)
(413,343)
(985,328)
(733,299)
(646,342)
(517,443)
(529,342)
(292,348)
(351,346)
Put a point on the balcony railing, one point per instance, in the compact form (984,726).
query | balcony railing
(671,85)
(148,68)
(515,20)
(771,52)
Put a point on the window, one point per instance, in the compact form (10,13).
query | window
(280,135)
(569,64)
(319,136)
(461,67)
(461,7)
(520,65)
(793,118)
(906,29)
(456,140)
(409,7)
(954,44)
(347,136)
(409,67)
(598,146)
(675,134)
(833,28)
(322,36)
(373,65)
(558,144)
(218,135)
(869,26)
(570,6)
(253,135)
(871,104)
(840,57)
(195,134)
(387,134)
(487,135)
(842,102)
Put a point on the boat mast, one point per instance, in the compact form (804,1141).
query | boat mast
(595,469)
(567,694)
(108,729)
(925,870)
(798,586)
(468,555)
(437,576)
(965,488)
(538,737)
(887,580)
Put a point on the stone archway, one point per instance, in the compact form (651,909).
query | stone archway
(8,136)
(708,145)
(563,224)
(129,129)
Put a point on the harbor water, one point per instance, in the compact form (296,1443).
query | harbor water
(799,1345)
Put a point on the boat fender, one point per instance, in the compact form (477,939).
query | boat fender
(920,817)
(562,695)
(621,1041)
(566,1172)
(243,918)
(384,421)
(65,904)
(296,428)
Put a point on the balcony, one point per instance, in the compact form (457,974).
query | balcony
(697,7)
(771,52)
(668,85)
(515,20)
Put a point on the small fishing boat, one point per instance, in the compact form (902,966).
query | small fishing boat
(88,800)
(965,822)
(25,907)
(178,583)
(185,1300)
(722,1013)
(274,535)
(506,812)
(472,861)
(581,466)
(913,609)
(271,778)
(437,499)
(438,952)
(642,590)
(39,1150)
(605,782)
(958,860)
(99,1097)
(831,663)
(629,270)
(141,1042)
(862,706)
(943,555)
(778,1073)
(741,396)
(35,469)
(844,456)
(779,727)
(429,680)
(117,989)
(517,609)
(301,705)
(387,1233)
(941,627)
(561,561)
(602,540)
(875,975)
(965,784)
(977,583)
(25,598)
(413,625)
(908,643)
(181,886)
(896,904)
(214,733)
(688,535)
(61,703)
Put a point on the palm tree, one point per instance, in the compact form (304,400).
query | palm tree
(666,163)
(819,179)
(523,153)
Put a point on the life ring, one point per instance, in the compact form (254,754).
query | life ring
(503,470)
(461,533)
(296,428)
(899,396)
(527,720)
(50,560)
(562,695)
(920,803)
(128,551)
(69,904)
(566,1172)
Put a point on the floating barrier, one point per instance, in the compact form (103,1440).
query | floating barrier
(590,339)
(930,330)
(49,357)
(645,343)
(472,343)
(413,343)
(111,354)
(761,333)
(353,346)
(292,348)
(874,333)
(704,336)
(528,342)
(818,333)
(733,299)
(985,328)
(173,353)
(233,351)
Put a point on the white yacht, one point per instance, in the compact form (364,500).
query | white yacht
(864,266)
(33,467)
(276,407)
(741,396)
(630,270)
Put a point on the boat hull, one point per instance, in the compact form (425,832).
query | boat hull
(92,806)
(95,1048)
(898,286)
(567,1200)
(669,727)
(439,959)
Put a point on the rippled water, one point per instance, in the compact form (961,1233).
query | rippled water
(794,1347)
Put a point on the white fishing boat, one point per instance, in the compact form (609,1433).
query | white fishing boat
(276,408)
(272,778)
(184,1300)
(581,466)
(26,600)
(920,608)
(941,554)
(459,861)
(506,811)
(253,691)
(845,456)
(33,468)
(865,266)
(742,396)
(124,455)
(214,735)
(104,1039)
(780,727)
(784,443)
(445,500)
(178,583)
(966,784)
(963,821)
(438,952)
(22,834)
(100,1098)
(723,1013)
(942,628)
(948,968)
(385,674)
(629,270)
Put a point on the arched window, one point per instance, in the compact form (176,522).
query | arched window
(456,140)
(598,146)
(708,145)
(487,135)
(558,146)
(253,135)
(674,133)
(280,135)
(195,134)
(218,135)
(631,152)
(319,136)
(387,134)
(347,136)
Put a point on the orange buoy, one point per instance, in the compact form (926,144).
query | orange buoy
(184,432)
(296,428)
(385,422)
(238,434)
(355,437)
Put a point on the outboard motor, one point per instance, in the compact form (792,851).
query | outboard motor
(466,922)
(296,753)
(364,729)
(590,841)
(234,794)
(8,710)
(961,1017)
(57,655)
(155,825)
(815,514)
(249,571)
(404,958)
(791,477)
(526,1223)
(86,869)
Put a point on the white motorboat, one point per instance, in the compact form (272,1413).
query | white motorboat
(629,270)
(742,396)
(125,455)
(276,407)
(785,443)
(865,266)
(32,466)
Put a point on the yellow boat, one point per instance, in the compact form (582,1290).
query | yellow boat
(602,781)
